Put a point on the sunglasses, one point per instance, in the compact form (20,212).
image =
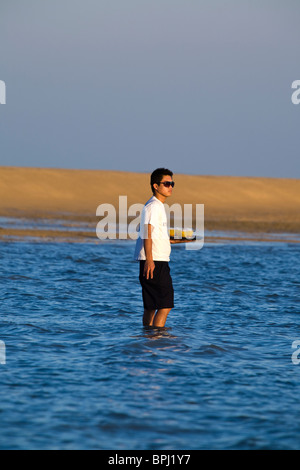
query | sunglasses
(167,184)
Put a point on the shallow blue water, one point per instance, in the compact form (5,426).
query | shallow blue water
(82,373)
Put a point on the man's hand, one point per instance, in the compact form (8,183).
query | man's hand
(185,240)
(148,269)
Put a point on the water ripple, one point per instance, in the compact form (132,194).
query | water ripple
(82,372)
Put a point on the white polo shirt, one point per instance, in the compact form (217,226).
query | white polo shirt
(154,213)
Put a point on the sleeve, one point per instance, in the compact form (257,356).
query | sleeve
(152,215)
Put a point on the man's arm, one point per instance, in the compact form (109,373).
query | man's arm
(182,241)
(149,263)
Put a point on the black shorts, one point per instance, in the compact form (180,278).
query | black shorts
(157,292)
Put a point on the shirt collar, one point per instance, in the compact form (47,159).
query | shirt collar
(155,199)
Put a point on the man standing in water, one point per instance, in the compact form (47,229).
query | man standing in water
(153,250)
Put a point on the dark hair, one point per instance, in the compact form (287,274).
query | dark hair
(158,175)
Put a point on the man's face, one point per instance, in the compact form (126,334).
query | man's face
(162,189)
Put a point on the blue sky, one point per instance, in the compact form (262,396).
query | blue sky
(201,87)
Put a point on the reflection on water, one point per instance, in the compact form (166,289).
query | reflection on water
(45,224)
(66,224)
(155,333)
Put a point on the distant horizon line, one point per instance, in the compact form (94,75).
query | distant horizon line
(145,172)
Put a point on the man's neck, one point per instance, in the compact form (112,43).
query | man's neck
(160,197)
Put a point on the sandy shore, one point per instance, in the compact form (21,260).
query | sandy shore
(252,205)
